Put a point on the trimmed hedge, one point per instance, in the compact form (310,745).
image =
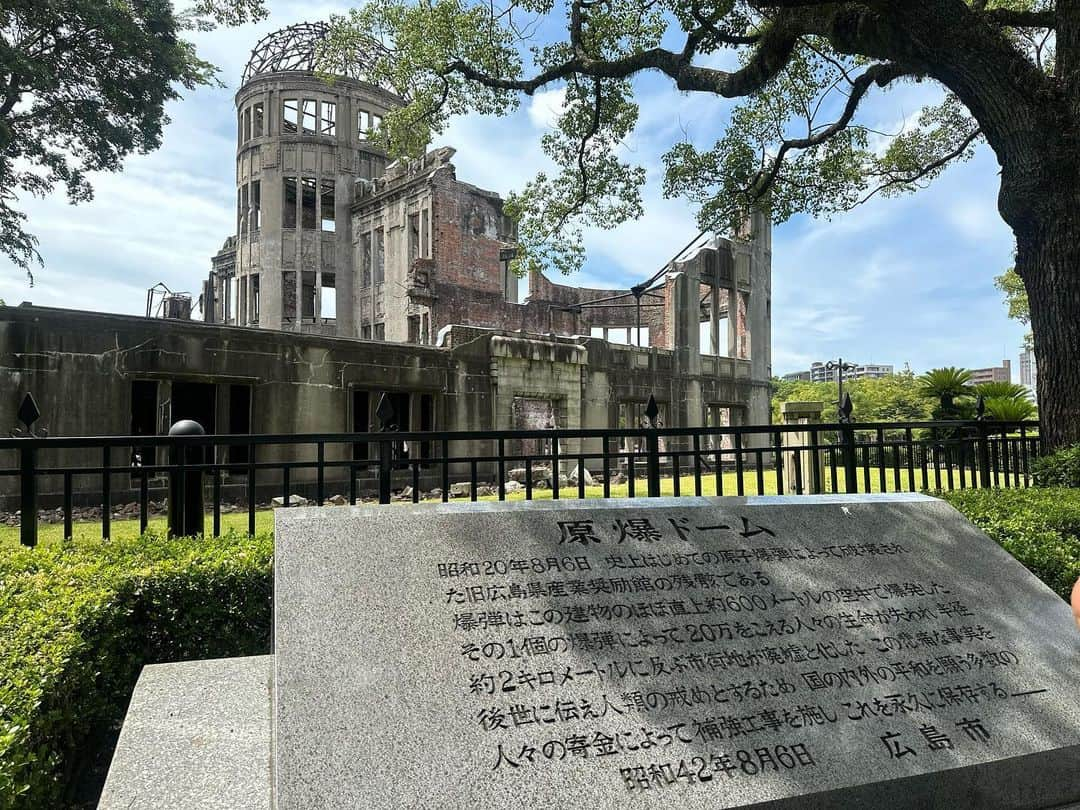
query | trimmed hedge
(1060,469)
(78,623)
(1039,527)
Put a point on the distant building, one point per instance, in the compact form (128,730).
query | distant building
(1029,374)
(819,373)
(1002,373)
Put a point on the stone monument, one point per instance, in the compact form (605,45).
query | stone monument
(769,652)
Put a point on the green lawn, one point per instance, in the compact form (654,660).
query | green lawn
(90,531)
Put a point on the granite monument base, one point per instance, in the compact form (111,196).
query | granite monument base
(825,652)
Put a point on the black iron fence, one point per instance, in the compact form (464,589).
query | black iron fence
(248,473)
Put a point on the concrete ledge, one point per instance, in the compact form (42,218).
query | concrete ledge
(197,734)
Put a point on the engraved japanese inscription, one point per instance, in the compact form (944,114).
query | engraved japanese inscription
(716,652)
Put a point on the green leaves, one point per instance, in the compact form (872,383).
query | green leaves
(1016,296)
(893,398)
(78,623)
(1039,527)
(1060,469)
(83,84)
(950,381)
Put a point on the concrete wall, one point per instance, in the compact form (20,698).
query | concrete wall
(285,259)
(82,368)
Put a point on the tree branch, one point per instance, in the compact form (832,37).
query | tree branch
(769,58)
(583,171)
(880,75)
(708,26)
(1021,19)
(923,171)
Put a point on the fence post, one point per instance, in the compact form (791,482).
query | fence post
(384,412)
(847,433)
(186,496)
(984,443)
(28,414)
(652,447)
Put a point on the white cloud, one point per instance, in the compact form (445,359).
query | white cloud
(976,219)
(546,106)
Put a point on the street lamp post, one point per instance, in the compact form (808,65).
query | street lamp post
(846,434)
(839,366)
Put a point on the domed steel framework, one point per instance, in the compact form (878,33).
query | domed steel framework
(296,48)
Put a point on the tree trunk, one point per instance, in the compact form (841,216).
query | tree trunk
(1049,264)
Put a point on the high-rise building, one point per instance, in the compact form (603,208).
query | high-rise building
(1002,373)
(1029,374)
(819,372)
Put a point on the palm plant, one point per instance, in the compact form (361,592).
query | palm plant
(942,383)
(1009,409)
(1001,390)
(945,385)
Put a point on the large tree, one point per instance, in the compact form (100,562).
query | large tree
(83,84)
(1009,71)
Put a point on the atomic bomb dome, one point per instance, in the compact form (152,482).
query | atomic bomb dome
(297,49)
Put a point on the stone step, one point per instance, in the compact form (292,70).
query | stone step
(197,735)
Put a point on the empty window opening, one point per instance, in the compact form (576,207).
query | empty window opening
(307,203)
(365,333)
(425,329)
(401,400)
(361,421)
(425,241)
(290,116)
(377,258)
(365,259)
(328,297)
(144,395)
(241,208)
(308,296)
(427,420)
(718,416)
(414,236)
(714,345)
(239,421)
(255,217)
(247,125)
(326,206)
(376,121)
(363,124)
(414,329)
(511,284)
(288,203)
(257,120)
(308,118)
(379,332)
(622,335)
(255,298)
(192,400)
(328,118)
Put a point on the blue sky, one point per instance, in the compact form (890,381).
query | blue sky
(895,281)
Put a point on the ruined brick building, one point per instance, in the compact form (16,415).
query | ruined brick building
(347,275)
